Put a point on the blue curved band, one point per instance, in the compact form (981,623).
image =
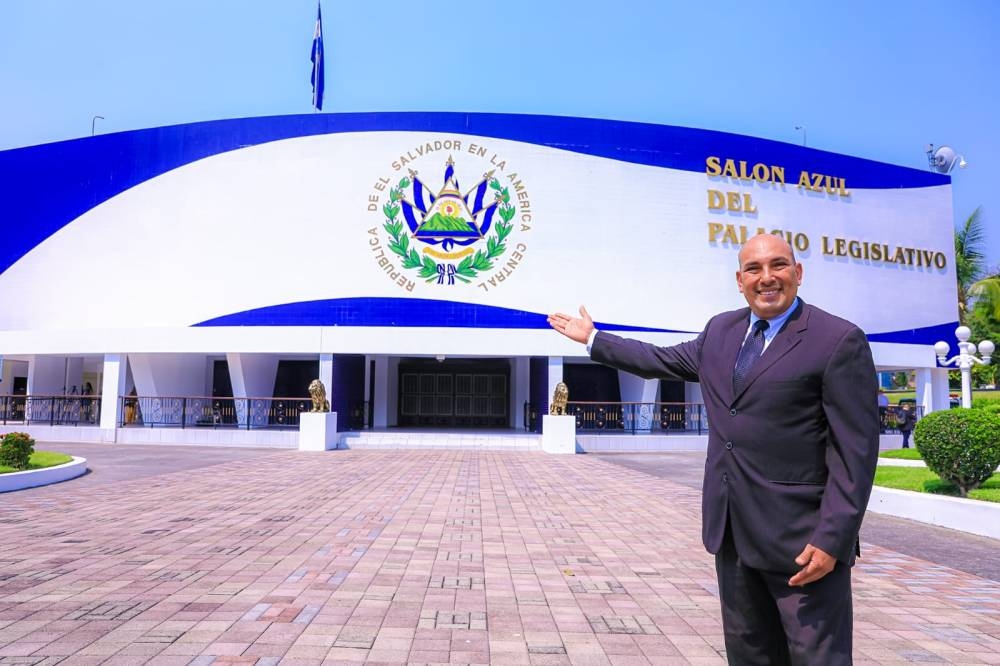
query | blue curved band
(422,313)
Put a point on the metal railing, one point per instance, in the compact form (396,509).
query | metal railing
(76,410)
(658,417)
(631,417)
(211,412)
(172,411)
(639,417)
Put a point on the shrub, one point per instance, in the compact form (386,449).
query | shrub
(989,407)
(16,449)
(960,445)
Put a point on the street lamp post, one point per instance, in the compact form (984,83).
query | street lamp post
(803,128)
(965,359)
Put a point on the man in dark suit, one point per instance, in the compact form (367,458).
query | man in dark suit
(792,446)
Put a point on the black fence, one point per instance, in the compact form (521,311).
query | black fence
(73,410)
(211,412)
(175,412)
(629,417)
(659,417)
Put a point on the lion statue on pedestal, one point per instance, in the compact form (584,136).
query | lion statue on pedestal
(559,400)
(318,394)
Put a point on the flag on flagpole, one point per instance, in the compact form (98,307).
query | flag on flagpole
(317,61)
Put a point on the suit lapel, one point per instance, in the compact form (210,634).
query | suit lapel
(783,343)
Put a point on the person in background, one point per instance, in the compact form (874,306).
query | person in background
(883,409)
(87,403)
(905,420)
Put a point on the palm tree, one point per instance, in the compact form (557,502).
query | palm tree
(970,268)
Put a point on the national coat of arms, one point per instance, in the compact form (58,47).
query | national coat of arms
(439,231)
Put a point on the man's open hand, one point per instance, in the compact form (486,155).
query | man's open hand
(815,564)
(574,328)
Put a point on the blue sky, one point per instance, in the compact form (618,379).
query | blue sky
(878,80)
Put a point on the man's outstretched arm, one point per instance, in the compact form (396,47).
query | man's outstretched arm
(640,358)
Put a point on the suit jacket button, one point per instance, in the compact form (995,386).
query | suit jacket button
(725,478)
(732,412)
(729,446)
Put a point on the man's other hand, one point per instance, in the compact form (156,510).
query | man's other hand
(815,564)
(574,328)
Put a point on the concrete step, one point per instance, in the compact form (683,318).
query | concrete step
(504,440)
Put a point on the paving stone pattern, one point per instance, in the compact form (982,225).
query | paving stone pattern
(412,557)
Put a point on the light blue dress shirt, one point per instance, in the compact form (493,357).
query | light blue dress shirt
(773,325)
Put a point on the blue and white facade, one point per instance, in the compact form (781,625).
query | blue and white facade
(365,241)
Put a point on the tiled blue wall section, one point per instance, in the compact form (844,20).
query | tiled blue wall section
(348,388)
(539,389)
(415,312)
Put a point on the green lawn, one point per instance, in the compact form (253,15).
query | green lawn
(905,454)
(923,480)
(895,396)
(41,460)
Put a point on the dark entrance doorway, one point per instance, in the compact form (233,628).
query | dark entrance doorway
(454,393)
(293,377)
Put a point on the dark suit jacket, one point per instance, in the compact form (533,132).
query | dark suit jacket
(792,456)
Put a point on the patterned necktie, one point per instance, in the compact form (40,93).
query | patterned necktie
(751,350)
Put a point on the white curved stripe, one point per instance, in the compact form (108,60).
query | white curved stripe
(288,221)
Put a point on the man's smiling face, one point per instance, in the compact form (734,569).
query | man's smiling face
(768,277)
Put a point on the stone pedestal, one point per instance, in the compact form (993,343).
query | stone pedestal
(317,431)
(558,434)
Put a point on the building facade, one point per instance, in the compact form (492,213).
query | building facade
(409,261)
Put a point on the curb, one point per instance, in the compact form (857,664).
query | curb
(957,513)
(900,462)
(43,477)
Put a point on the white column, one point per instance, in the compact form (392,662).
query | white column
(637,389)
(252,376)
(326,374)
(923,384)
(368,378)
(938,391)
(46,375)
(168,375)
(74,374)
(392,391)
(381,391)
(693,396)
(179,376)
(555,376)
(520,388)
(643,391)
(9,369)
(113,386)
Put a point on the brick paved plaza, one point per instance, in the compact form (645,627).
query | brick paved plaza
(270,557)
